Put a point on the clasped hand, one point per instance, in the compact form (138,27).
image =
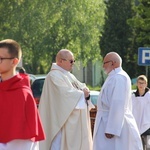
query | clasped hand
(86,92)
(109,136)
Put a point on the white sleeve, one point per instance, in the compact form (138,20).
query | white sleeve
(82,103)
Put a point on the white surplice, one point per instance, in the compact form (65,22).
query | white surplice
(114,115)
(141,111)
(20,145)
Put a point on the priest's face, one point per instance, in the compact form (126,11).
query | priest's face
(107,64)
(68,62)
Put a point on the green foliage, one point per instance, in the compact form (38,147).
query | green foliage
(134,87)
(43,27)
(140,24)
(96,88)
(117,32)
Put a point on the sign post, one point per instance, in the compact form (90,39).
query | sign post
(144,57)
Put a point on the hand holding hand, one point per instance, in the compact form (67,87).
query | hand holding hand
(109,136)
(86,92)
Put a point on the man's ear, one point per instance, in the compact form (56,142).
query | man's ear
(16,61)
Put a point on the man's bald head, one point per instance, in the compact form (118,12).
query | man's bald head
(111,61)
(63,54)
(65,59)
(116,59)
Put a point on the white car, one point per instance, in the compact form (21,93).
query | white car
(94,97)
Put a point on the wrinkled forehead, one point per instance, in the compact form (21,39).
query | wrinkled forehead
(107,58)
(70,56)
(65,53)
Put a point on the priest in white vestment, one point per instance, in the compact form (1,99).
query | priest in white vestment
(64,108)
(115,127)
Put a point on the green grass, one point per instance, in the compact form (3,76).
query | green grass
(97,88)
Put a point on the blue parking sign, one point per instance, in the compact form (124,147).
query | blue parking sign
(144,56)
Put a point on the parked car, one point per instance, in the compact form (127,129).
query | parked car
(37,86)
(94,97)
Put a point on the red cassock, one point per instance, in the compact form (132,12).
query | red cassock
(19,117)
(26,78)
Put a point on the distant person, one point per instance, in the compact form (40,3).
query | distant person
(64,108)
(22,70)
(115,127)
(141,107)
(20,126)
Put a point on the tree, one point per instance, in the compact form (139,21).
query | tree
(117,32)
(140,24)
(44,27)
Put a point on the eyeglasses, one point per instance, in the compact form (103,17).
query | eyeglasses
(5,58)
(71,61)
(107,62)
(141,82)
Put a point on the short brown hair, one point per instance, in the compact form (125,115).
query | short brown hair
(142,77)
(13,47)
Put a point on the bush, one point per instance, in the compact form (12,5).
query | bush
(96,88)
